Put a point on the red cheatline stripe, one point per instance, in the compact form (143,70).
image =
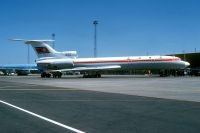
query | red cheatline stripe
(124,61)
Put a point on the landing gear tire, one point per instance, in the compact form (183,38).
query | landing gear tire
(42,75)
(45,75)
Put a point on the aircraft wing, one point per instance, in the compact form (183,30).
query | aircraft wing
(93,68)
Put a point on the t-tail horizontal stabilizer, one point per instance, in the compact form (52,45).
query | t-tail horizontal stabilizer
(28,41)
(41,47)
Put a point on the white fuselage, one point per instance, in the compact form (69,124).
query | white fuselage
(131,62)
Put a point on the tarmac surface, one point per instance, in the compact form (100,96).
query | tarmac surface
(112,104)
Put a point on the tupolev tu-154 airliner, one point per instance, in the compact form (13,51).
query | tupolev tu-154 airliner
(52,62)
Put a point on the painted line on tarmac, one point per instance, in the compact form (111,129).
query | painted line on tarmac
(43,118)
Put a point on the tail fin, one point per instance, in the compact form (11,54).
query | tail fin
(41,47)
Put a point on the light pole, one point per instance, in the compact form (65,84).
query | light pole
(28,56)
(95,37)
(53,38)
(184,58)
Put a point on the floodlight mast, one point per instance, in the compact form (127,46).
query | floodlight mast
(95,37)
(53,38)
(28,55)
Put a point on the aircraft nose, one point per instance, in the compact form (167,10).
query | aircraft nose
(187,64)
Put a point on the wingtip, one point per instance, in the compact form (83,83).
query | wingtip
(27,40)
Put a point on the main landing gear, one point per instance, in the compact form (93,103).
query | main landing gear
(48,75)
(45,75)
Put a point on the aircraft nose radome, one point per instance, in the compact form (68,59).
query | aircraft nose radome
(187,64)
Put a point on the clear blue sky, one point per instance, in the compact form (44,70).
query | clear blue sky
(126,27)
